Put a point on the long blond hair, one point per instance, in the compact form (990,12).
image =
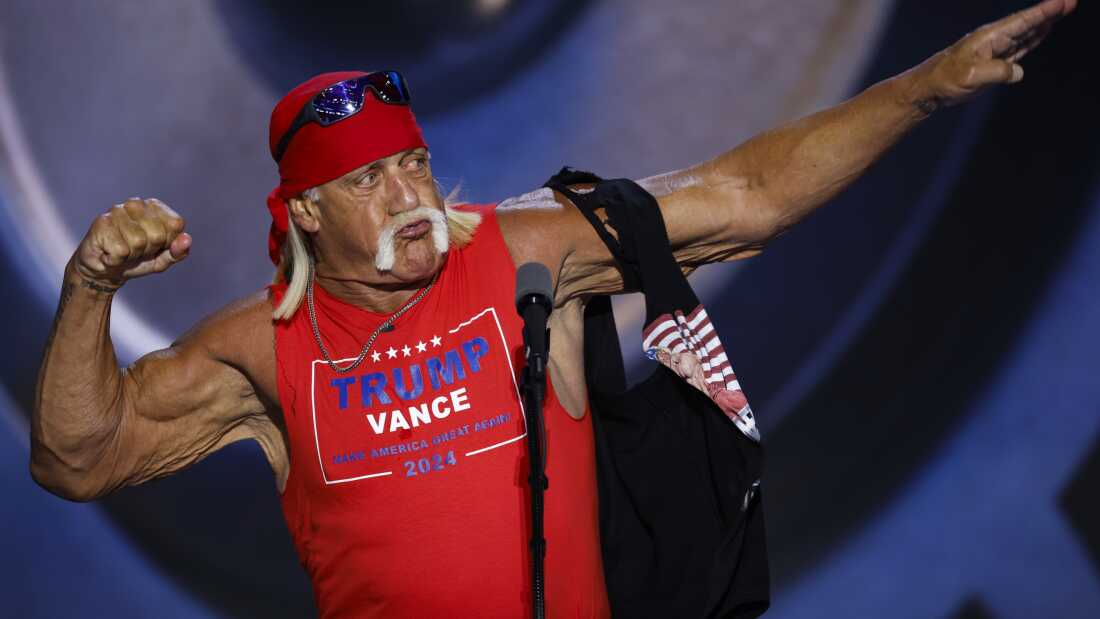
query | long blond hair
(293,267)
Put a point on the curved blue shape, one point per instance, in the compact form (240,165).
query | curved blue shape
(982,520)
(64,559)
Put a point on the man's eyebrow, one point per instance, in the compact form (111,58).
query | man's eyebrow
(374,165)
(355,174)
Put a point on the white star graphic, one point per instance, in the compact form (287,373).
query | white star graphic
(435,341)
(375,356)
(406,350)
(421,347)
(391,353)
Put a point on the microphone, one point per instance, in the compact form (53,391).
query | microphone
(534,294)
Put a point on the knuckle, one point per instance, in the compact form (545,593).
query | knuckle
(162,206)
(155,233)
(103,220)
(137,241)
(130,237)
(117,244)
(169,218)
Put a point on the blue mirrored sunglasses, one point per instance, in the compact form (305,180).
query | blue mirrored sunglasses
(343,100)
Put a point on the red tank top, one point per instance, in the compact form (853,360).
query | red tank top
(407,493)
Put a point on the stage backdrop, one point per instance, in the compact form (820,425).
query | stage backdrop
(920,354)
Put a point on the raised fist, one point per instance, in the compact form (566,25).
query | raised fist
(134,238)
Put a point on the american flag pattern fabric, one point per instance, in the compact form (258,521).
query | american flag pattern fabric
(689,345)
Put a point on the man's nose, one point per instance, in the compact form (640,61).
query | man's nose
(403,196)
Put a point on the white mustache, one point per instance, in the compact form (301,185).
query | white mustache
(384,259)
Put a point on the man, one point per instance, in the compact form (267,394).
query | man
(387,405)
(689,366)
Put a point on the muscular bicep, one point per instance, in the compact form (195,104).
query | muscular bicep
(176,408)
(180,404)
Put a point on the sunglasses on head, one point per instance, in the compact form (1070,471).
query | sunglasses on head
(343,100)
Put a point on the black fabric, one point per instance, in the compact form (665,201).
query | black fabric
(681,523)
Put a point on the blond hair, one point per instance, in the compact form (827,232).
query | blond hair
(293,269)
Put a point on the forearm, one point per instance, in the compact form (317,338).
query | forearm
(795,168)
(78,398)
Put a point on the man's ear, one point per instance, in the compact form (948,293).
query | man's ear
(304,213)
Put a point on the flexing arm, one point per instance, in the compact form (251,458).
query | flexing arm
(731,206)
(95,427)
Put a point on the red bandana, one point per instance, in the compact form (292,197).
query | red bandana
(317,154)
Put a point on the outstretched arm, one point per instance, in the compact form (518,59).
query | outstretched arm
(731,206)
(744,197)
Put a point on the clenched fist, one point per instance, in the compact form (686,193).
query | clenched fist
(134,238)
(991,54)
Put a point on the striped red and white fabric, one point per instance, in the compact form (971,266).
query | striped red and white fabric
(689,346)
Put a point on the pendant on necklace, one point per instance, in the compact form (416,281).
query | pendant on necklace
(387,328)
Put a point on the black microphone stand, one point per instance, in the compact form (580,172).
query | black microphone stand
(533,387)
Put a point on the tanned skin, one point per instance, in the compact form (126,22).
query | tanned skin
(96,428)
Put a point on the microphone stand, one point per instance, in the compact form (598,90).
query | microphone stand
(533,388)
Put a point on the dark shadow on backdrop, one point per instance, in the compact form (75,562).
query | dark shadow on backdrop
(455,51)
